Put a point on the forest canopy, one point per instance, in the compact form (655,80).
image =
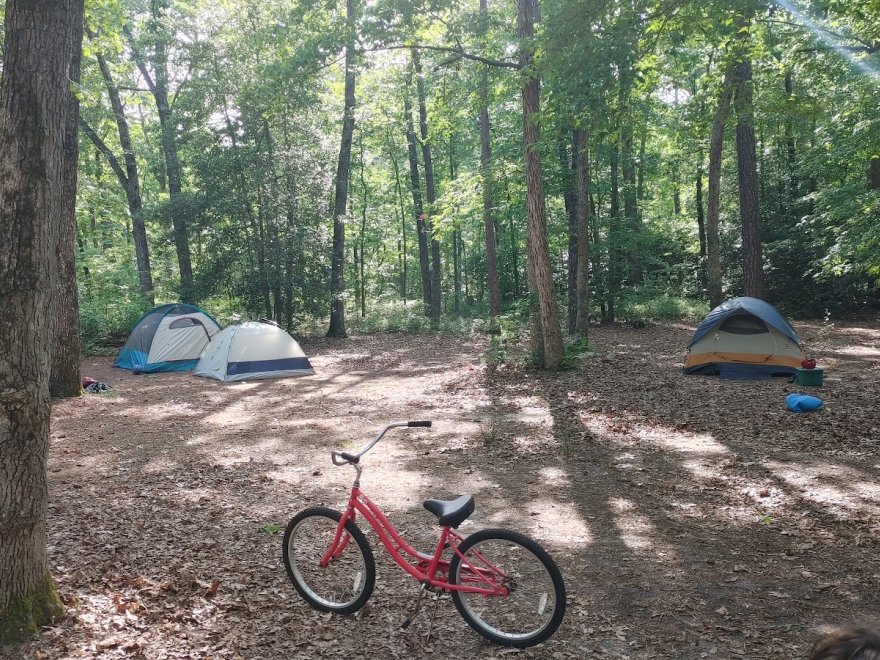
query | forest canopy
(210,166)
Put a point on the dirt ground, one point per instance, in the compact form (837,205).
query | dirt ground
(691,517)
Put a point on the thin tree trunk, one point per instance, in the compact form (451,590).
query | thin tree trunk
(343,167)
(361,277)
(790,151)
(402,244)
(430,189)
(716,144)
(753,265)
(158,86)
(874,173)
(528,11)
(568,167)
(630,203)
(64,378)
(582,212)
(416,189)
(486,181)
(614,252)
(34,100)
(701,219)
(129,178)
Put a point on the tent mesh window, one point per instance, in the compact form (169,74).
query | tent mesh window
(744,324)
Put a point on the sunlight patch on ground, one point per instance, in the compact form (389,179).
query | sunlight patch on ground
(861,352)
(841,490)
(637,531)
(559,522)
(683,442)
(159,465)
(235,414)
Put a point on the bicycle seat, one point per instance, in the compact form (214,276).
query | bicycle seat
(451,513)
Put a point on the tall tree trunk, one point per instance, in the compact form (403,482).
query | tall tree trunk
(430,188)
(343,167)
(64,377)
(630,203)
(402,243)
(614,251)
(456,237)
(568,167)
(361,276)
(528,11)
(157,83)
(486,181)
(701,219)
(716,144)
(790,151)
(582,212)
(129,179)
(747,166)
(34,100)
(416,188)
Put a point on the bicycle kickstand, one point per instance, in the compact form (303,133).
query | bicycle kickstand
(412,615)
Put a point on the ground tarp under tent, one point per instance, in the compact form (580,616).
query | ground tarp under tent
(744,338)
(252,351)
(168,338)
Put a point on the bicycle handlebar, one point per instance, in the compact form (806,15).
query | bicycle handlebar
(343,458)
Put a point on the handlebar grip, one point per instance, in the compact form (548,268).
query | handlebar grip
(348,457)
(426,423)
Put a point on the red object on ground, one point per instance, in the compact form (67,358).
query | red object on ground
(86,381)
(809,363)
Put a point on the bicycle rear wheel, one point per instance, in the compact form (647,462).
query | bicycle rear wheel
(532,610)
(346,583)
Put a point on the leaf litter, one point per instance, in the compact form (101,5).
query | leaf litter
(691,517)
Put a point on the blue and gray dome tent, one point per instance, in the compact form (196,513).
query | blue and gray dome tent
(168,338)
(744,338)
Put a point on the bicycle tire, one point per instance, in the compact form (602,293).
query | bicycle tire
(350,578)
(490,616)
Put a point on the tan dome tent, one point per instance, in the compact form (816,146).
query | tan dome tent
(253,351)
(167,338)
(744,338)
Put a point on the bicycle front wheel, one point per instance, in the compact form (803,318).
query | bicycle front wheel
(535,603)
(346,583)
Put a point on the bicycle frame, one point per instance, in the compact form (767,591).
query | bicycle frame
(431,570)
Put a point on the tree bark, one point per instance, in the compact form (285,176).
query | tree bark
(430,188)
(416,188)
(402,243)
(34,100)
(716,144)
(365,200)
(614,253)
(568,167)
(485,176)
(343,167)
(874,173)
(582,213)
(528,11)
(753,264)
(64,376)
(129,178)
(157,83)
(701,219)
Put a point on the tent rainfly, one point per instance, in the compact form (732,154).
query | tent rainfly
(251,351)
(744,338)
(167,338)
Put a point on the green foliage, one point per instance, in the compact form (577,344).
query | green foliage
(651,302)
(271,528)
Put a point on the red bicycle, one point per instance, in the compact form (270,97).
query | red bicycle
(505,585)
